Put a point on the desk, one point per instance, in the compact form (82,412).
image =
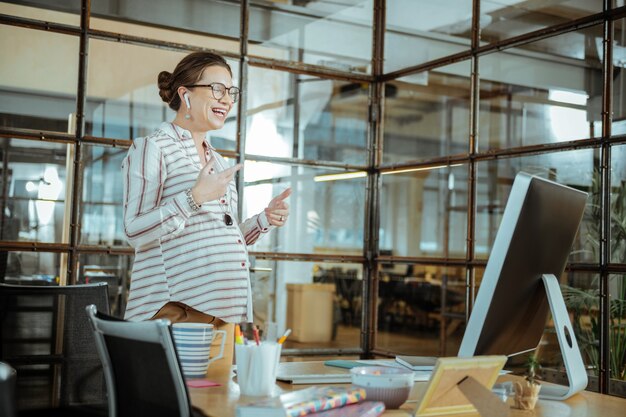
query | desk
(222,401)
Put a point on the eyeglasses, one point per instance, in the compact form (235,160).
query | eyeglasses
(219,90)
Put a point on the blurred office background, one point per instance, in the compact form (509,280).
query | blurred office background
(399,124)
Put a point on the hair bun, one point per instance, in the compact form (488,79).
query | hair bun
(165,86)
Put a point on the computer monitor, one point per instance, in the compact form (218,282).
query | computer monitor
(520,284)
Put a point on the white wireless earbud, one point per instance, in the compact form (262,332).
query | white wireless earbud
(186,97)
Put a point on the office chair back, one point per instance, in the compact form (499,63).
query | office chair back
(141,367)
(7,390)
(46,337)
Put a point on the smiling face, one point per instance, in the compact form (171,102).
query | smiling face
(207,112)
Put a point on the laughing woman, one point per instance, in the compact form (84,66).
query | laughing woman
(180,201)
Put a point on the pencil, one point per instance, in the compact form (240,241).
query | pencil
(238,338)
(255,332)
(284,337)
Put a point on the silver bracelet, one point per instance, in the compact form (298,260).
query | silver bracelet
(192,204)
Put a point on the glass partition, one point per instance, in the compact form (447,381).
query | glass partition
(420,309)
(419,31)
(326,210)
(617,334)
(618,204)
(427,114)
(144,28)
(123,98)
(577,169)
(215,17)
(299,116)
(114,270)
(30,268)
(335,35)
(424,213)
(103,196)
(619,77)
(64,12)
(330,291)
(559,100)
(506,19)
(38,84)
(33,191)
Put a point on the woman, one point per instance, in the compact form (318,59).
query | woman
(180,205)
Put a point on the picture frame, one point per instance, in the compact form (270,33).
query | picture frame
(444,396)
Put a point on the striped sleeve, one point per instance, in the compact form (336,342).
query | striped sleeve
(253,227)
(146,217)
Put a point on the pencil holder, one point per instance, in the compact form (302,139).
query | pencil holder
(256,368)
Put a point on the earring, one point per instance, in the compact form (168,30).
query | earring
(187,116)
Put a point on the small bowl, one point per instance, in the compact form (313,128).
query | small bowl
(383,383)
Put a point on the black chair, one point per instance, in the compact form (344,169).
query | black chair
(46,337)
(7,390)
(141,368)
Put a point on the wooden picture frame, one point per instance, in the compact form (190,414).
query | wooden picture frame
(443,396)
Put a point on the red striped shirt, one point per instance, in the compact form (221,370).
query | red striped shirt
(206,265)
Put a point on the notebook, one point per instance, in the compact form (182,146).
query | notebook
(312,373)
(417,363)
(318,373)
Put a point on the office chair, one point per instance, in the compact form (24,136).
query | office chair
(46,337)
(7,390)
(141,367)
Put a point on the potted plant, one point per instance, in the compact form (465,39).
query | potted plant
(527,392)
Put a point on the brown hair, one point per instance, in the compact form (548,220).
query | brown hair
(187,72)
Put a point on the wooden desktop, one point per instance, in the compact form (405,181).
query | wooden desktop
(222,401)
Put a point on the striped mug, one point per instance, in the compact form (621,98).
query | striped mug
(193,345)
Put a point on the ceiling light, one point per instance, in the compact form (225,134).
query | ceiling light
(342,176)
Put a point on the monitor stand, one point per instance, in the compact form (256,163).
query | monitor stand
(573,361)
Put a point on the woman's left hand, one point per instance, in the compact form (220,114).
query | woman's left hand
(277,210)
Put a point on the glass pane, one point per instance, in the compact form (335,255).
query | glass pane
(424,213)
(619,77)
(558,100)
(332,117)
(208,16)
(413,317)
(581,294)
(38,84)
(427,115)
(217,43)
(326,212)
(320,302)
(123,98)
(102,211)
(337,35)
(33,191)
(30,268)
(112,269)
(506,19)
(65,12)
(577,169)
(617,335)
(618,204)
(428,29)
